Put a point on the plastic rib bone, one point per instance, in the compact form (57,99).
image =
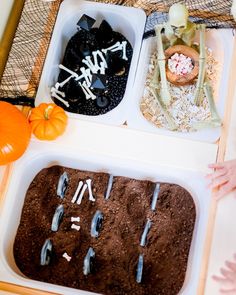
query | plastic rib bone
(86,76)
(170,121)
(117,44)
(75,75)
(63,83)
(90,64)
(198,95)
(164,91)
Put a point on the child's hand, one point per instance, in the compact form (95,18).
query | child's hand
(223,177)
(227,279)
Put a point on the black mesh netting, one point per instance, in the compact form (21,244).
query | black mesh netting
(23,69)
(22,72)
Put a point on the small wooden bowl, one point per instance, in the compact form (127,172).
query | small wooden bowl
(182,79)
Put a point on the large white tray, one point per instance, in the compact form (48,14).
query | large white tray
(125,20)
(41,155)
(221,43)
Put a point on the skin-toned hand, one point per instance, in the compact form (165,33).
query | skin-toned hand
(227,280)
(223,177)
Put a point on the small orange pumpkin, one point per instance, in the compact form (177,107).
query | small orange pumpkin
(48,121)
(14,133)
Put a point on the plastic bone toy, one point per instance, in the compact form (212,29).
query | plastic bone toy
(179,30)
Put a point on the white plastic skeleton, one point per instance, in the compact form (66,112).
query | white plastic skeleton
(95,62)
(233,9)
(179,30)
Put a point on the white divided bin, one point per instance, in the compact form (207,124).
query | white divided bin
(221,43)
(42,155)
(128,21)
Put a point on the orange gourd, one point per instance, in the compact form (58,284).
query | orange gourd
(48,121)
(14,133)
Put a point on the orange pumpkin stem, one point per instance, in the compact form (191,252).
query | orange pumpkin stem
(47,112)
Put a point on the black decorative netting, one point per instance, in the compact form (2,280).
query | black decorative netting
(25,62)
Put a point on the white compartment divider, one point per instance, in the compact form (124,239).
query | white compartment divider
(122,142)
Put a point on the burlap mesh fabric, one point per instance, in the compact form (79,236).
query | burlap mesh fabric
(215,13)
(25,62)
(27,55)
(217,9)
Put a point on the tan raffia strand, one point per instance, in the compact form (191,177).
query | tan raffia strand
(23,69)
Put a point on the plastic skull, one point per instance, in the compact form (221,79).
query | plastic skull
(178,18)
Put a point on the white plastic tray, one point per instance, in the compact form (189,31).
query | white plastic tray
(221,43)
(125,20)
(41,155)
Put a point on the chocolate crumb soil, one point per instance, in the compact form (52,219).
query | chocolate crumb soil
(117,247)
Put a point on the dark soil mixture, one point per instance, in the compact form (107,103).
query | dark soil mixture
(118,246)
(82,44)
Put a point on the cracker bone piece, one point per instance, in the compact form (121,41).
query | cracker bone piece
(82,194)
(76,227)
(75,219)
(77,192)
(67,257)
(91,197)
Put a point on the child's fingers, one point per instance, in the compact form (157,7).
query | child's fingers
(231,291)
(231,265)
(224,283)
(216,165)
(216,174)
(224,190)
(219,181)
(219,279)
(228,274)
